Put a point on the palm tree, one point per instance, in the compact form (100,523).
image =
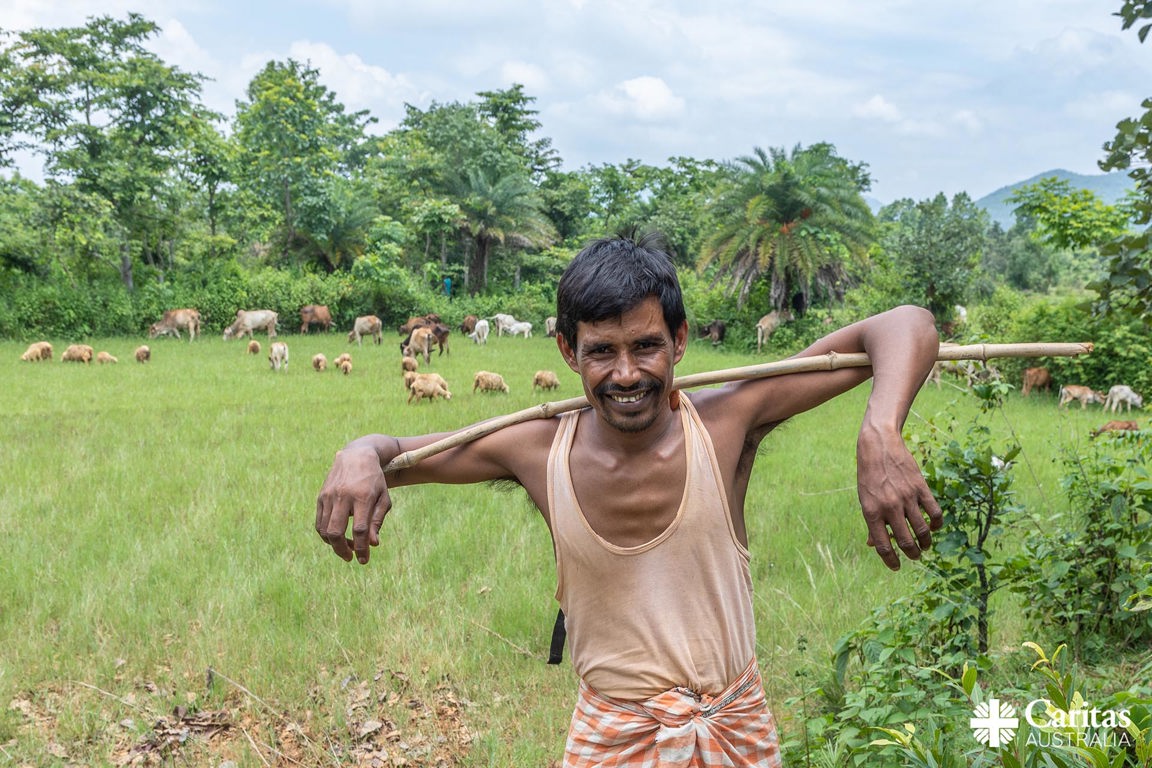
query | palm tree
(795,218)
(504,211)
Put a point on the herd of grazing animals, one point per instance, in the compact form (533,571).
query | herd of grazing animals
(423,332)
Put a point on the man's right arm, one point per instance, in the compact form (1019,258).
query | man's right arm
(356,489)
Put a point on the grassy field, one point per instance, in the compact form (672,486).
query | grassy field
(163,595)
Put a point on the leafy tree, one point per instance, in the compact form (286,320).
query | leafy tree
(509,112)
(1127,287)
(294,136)
(794,218)
(1067,218)
(506,210)
(567,197)
(110,118)
(1020,261)
(936,246)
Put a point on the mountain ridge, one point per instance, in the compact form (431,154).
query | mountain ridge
(1109,187)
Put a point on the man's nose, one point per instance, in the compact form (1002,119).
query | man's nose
(627,372)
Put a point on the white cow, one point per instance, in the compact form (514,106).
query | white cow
(366,325)
(520,329)
(766,325)
(249,321)
(480,332)
(1122,394)
(503,323)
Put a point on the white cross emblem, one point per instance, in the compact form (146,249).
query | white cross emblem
(995,723)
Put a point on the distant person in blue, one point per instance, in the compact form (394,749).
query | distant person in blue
(448,287)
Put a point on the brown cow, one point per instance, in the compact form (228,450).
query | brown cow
(468,324)
(415,322)
(1116,426)
(174,321)
(1085,395)
(1036,378)
(715,330)
(315,314)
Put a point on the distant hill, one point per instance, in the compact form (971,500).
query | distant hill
(1109,187)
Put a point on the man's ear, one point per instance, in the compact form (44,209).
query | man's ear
(680,341)
(567,352)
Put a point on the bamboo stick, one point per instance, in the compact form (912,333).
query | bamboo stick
(829,362)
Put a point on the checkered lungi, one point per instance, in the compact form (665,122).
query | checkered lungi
(676,729)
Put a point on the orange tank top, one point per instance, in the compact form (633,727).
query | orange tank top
(673,612)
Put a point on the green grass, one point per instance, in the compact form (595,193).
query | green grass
(158,524)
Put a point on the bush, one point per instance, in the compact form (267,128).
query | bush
(1082,568)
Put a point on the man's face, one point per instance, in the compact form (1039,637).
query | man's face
(625,364)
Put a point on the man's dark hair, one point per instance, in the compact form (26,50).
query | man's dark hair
(614,274)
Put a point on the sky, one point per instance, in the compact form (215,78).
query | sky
(941,96)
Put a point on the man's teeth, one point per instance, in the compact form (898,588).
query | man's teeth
(628,398)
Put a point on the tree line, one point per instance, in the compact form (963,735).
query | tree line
(148,196)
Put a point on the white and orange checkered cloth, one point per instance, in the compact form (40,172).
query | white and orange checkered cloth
(676,729)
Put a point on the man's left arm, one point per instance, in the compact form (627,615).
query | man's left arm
(898,507)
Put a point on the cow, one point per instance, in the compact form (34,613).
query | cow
(715,330)
(480,332)
(419,342)
(468,324)
(503,323)
(1116,426)
(550,327)
(520,329)
(1085,395)
(175,320)
(1122,394)
(315,314)
(366,325)
(250,321)
(767,325)
(415,322)
(1036,378)
(440,333)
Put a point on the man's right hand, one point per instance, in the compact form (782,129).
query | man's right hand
(354,489)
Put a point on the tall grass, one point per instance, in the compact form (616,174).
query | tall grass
(157,523)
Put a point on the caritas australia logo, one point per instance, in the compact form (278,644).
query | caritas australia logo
(995,724)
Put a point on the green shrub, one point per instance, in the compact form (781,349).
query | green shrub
(1081,568)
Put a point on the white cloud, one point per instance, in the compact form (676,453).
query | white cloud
(532,77)
(642,98)
(1111,105)
(969,121)
(357,84)
(878,108)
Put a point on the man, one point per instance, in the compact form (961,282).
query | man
(645,492)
